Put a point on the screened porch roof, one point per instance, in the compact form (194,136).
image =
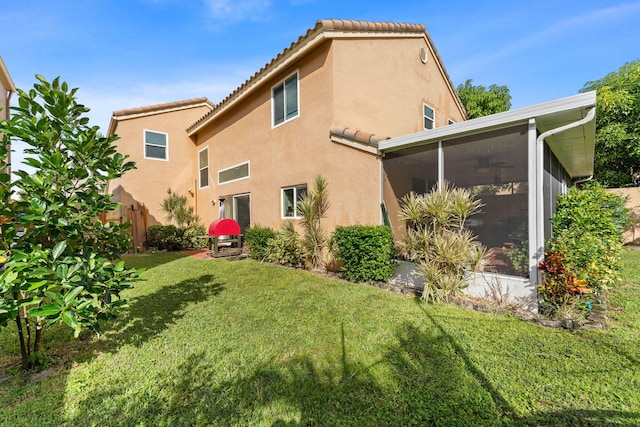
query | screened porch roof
(574,148)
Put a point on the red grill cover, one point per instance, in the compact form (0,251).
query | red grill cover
(224,227)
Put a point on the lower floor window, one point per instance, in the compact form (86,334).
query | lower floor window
(290,198)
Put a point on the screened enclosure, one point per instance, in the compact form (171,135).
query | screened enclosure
(493,166)
(515,162)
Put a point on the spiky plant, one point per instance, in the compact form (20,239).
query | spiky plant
(446,252)
(313,207)
(176,209)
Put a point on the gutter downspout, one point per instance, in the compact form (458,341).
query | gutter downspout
(580,181)
(540,181)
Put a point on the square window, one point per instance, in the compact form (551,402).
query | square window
(203,167)
(156,145)
(429,117)
(290,198)
(284,100)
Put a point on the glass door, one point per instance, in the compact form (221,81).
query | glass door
(242,210)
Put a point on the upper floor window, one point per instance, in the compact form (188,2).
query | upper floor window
(429,116)
(290,198)
(156,145)
(284,100)
(234,173)
(203,167)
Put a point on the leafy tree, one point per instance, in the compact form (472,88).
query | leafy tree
(59,261)
(617,157)
(176,209)
(480,101)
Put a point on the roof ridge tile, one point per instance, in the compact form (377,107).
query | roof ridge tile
(163,106)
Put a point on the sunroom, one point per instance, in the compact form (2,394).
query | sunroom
(516,162)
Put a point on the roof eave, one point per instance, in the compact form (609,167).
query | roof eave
(5,77)
(494,121)
(134,113)
(254,83)
(324,30)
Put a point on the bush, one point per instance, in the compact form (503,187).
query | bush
(587,237)
(286,247)
(190,239)
(437,239)
(172,238)
(367,252)
(257,239)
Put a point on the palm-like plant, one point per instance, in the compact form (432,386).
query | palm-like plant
(176,209)
(313,207)
(438,241)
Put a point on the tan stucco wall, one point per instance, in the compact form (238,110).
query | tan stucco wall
(7,87)
(631,237)
(4,105)
(148,184)
(381,86)
(344,83)
(291,154)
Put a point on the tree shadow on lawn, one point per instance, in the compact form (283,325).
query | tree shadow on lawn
(147,316)
(150,260)
(425,378)
(150,314)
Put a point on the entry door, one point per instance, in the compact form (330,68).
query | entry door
(242,210)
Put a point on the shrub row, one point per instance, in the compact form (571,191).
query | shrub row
(367,253)
(584,254)
(172,238)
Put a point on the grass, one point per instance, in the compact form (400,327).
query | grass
(219,342)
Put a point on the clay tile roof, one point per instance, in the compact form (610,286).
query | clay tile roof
(350,25)
(356,135)
(157,108)
(322,26)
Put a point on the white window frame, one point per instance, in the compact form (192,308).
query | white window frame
(282,83)
(235,205)
(144,145)
(295,189)
(248,163)
(200,169)
(425,117)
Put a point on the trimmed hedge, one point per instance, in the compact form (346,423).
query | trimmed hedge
(367,252)
(172,238)
(257,239)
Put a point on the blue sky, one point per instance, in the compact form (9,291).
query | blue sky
(130,53)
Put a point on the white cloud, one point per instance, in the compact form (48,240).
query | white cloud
(238,10)
(573,26)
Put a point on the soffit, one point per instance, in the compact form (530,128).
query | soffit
(574,148)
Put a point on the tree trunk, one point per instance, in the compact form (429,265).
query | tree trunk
(27,326)
(37,343)
(24,350)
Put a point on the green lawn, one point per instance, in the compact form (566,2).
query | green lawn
(219,342)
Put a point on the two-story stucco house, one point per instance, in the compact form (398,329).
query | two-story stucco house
(319,107)
(369,106)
